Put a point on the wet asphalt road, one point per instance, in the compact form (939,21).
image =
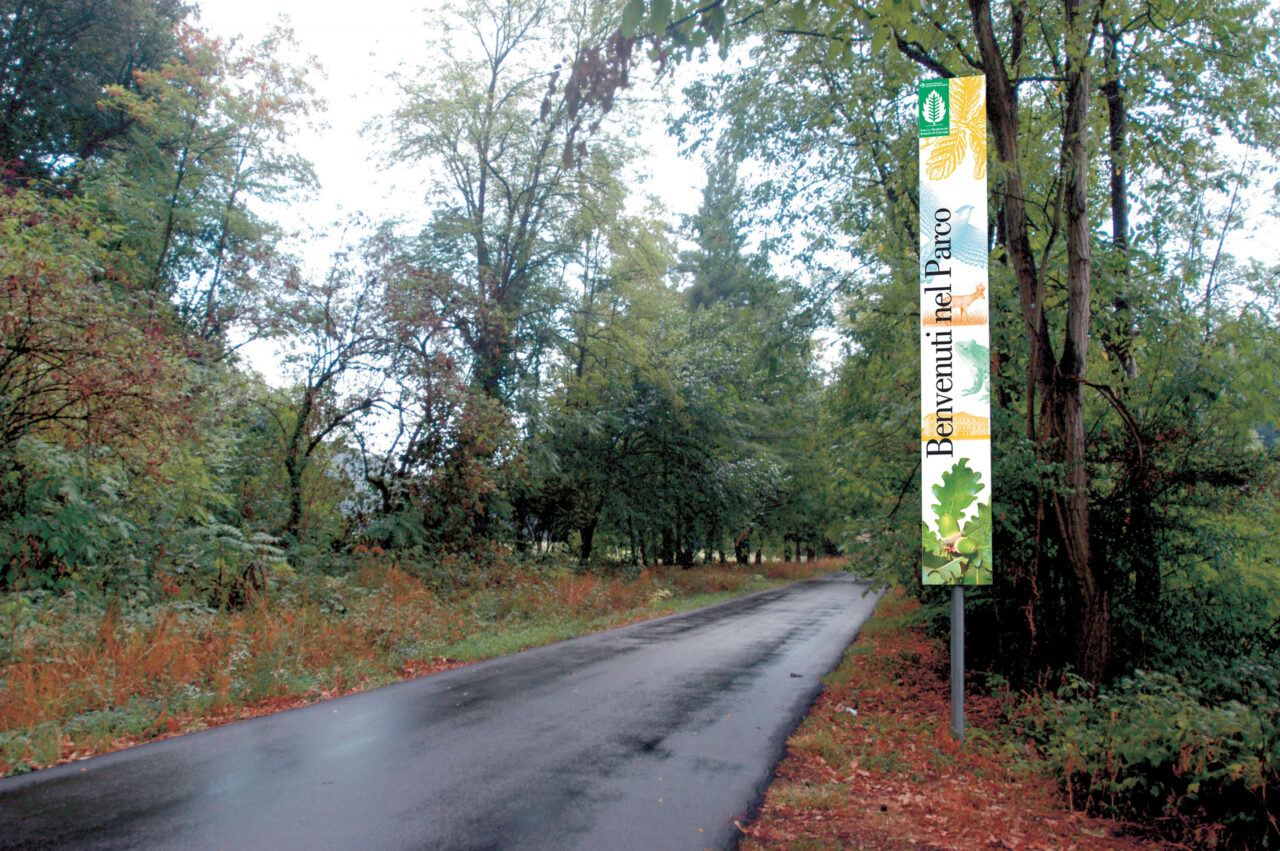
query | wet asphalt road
(651,736)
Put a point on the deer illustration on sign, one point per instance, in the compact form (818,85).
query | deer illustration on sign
(964,302)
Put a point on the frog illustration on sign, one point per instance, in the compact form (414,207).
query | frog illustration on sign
(976,358)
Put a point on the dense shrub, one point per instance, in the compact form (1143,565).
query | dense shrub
(1197,762)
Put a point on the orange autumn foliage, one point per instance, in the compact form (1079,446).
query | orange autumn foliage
(173,670)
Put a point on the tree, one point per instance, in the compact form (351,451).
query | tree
(764,324)
(718,265)
(504,135)
(431,488)
(83,361)
(91,386)
(208,138)
(124,269)
(617,259)
(1057,375)
(56,56)
(334,348)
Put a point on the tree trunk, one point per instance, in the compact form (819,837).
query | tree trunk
(1093,643)
(1058,432)
(1117,128)
(588,533)
(293,466)
(294,460)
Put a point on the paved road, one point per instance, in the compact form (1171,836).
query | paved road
(651,736)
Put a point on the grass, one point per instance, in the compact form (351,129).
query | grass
(80,676)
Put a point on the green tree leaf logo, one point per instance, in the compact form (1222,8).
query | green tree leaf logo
(934,108)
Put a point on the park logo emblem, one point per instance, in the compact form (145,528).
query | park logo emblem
(935,109)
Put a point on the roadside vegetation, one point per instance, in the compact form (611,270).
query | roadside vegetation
(83,675)
(876,765)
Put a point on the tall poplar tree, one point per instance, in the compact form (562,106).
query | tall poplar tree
(503,136)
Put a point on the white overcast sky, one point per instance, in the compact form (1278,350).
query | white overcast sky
(359,45)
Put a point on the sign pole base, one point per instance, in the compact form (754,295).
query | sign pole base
(957,661)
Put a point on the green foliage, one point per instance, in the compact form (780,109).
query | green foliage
(464,503)
(225,565)
(56,56)
(1161,451)
(83,358)
(116,460)
(65,515)
(1156,746)
(208,142)
(1181,490)
(540,367)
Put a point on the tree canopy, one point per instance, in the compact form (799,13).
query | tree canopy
(553,363)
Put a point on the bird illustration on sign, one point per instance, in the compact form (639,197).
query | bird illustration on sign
(969,239)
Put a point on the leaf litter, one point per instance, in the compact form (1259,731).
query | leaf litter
(875,764)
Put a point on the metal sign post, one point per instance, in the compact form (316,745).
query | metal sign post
(957,661)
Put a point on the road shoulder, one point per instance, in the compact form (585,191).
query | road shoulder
(875,766)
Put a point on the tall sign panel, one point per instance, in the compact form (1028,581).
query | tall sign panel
(955,361)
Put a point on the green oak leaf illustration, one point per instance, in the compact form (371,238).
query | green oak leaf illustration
(967,559)
(930,541)
(959,488)
(941,565)
(944,572)
(978,529)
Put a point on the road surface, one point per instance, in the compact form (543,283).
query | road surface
(651,736)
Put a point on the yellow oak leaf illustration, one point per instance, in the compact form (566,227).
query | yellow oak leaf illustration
(947,154)
(972,116)
(968,131)
(977,139)
(966,101)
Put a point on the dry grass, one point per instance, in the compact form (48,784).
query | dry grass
(77,680)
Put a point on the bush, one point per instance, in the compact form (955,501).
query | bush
(63,514)
(1197,765)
